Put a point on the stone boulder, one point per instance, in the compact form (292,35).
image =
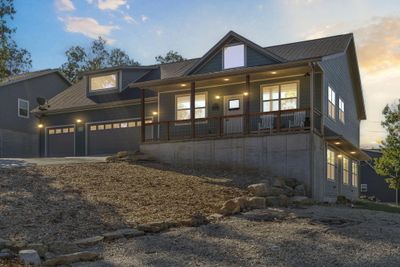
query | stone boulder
(61,247)
(299,190)
(279,182)
(230,207)
(303,200)
(130,157)
(258,190)
(273,201)
(29,257)
(291,182)
(127,233)
(256,203)
(89,242)
(154,227)
(40,248)
(276,191)
(72,258)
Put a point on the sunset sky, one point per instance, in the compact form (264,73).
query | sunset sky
(146,29)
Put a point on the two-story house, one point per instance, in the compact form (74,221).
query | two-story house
(289,110)
(18,95)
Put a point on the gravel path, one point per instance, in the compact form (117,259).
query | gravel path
(316,236)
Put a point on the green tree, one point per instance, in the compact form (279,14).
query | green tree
(389,163)
(171,56)
(97,56)
(13,60)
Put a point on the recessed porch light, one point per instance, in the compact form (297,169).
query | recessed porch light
(183,84)
(353,152)
(217,97)
(245,93)
(337,143)
(226,79)
(273,72)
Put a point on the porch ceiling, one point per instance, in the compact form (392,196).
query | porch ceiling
(233,79)
(347,148)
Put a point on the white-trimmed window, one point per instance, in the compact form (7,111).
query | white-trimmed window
(354,173)
(346,170)
(23,108)
(363,188)
(341,110)
(234,56)
(330,164)
(331,103)
(279,97)
(182,104)
(103,82)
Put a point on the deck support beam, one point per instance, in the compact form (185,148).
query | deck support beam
(192,108)
(142,117)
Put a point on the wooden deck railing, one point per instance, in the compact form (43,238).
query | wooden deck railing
(233,125)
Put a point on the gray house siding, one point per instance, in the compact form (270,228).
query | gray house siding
(19,136)
(92,116)
(337,75)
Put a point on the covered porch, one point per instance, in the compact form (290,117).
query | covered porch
(259,101)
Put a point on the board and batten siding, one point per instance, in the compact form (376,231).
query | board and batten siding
(337,75)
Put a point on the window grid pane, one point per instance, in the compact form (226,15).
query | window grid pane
(103,82)
(284,94)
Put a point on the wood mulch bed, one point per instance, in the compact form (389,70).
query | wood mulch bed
(67,202)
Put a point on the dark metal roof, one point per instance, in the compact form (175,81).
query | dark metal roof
(29,75)
(75,96)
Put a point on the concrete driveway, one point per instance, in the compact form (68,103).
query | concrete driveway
(20,162)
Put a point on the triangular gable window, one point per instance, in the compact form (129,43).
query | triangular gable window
(234,56)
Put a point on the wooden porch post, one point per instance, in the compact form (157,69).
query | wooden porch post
(247,103)
(142,116)
(192,108)
(312,85)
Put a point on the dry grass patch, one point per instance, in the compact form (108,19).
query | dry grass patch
(77,200)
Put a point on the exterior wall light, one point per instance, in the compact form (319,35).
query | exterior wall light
(155,113)
(40,126)
(245,93)
(78,120)
(217,97)
(339,156)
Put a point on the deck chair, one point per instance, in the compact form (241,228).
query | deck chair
(299,118)
(266,123)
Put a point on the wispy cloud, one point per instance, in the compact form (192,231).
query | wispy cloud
(89,27)
(110,4)
(144,18)
(130,19)
(64,5)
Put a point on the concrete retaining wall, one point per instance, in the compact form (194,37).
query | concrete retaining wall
(18,144)
(285,155)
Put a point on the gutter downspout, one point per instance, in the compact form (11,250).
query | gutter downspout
(312,178)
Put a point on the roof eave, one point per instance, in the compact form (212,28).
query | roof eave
(205,76)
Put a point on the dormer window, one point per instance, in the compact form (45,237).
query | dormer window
(234,56)
(103,82)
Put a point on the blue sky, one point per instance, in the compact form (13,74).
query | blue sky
(146,29)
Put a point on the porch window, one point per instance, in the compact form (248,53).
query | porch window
(103,82)
(341,110)
(331,103)
(183,107)
(331,164)
(279,97)
(234,56)
(354,173)
(346,170)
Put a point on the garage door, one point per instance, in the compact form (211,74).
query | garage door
(60,141)
(110,137)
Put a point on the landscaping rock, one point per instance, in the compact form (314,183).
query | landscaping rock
(198,219)
(71,258)
(4,243)
(60,247)
(17,245)
(40,248)
(299,190)
(291,182)
(29,257)
(342,200)
(258,190)
(230,207)
(276,191)
(288,191)
(6,255)
(273,201)
(301,200)
(154,227)
(279,182)
(89,242)
(256,203)
(243,202)
(128,233)
(283,201)
(215,217)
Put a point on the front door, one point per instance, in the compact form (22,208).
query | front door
(233,106)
